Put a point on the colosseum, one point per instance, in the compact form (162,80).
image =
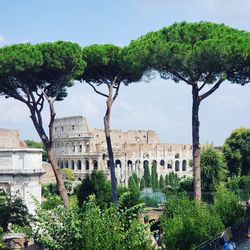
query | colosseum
(83,150)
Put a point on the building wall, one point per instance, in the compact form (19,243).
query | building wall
(83,149)
(9,138)
(20,174)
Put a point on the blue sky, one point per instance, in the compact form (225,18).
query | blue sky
(160,105)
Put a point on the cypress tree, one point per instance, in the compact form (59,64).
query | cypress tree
(154,177)
(162,182)
(146,176)
(142,183)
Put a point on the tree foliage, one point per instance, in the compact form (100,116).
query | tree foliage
(89,228)
(35,74)
(187,223)
(227,205)
(154,177)
(146,176)
(213,168)
(203,55)
(236,150)
(98,185)
(12,211)
(162,182)
(107,65)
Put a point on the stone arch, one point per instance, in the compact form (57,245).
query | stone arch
(162,163)
(145,163)
(79,165)
(154,162)
(170,164)
(66,164)
(177,166)
(118,163)
(72,165)
(184,165)
(130,164)
(95,164)
(87,164)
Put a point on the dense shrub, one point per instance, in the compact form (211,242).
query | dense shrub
(13,211)
(90,228)
(97,184)
(226,204)
(186,223)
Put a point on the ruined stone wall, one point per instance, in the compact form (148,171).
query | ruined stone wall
(83,150)
(9,138)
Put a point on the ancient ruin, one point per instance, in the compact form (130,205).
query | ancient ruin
(83,150)
(20,168)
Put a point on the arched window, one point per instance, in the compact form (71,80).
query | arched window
(177,166)
(145,163)
(66,164)
(58,163)
(154,163)
(95,163)
(130,164)
(87,165)
(108,164)
(72,165)
(162,163)
(61,164)
(118,163)
(184,165)
(170,164)
(79,165)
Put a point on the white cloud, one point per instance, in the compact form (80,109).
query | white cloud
(2,40)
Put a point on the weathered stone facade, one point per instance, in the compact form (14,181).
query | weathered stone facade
(84,149)
(20,168)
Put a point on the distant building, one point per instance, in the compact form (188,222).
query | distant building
(20,168)
(83,149)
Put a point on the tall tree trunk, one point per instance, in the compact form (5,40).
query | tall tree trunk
(48,143)
(110,150)
(59,179)
(196,142)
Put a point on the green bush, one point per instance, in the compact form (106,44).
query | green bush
(186,223)
(97,184)
(90,228)
(226,204)
(2,244)
(13,211)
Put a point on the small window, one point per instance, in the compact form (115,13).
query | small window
(73,127)
(62,128)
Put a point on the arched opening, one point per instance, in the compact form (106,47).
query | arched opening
(118,163)
(66,164)
(58,163)
(72,165)
(87,165)
(177,166)
(170,164)
(184,165)
(79,165)
(61,164)
(162,163)
(95,163)
(130,164)
(154,163)
(145,164)
(108,164)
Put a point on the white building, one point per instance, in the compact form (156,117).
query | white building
(21,171)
